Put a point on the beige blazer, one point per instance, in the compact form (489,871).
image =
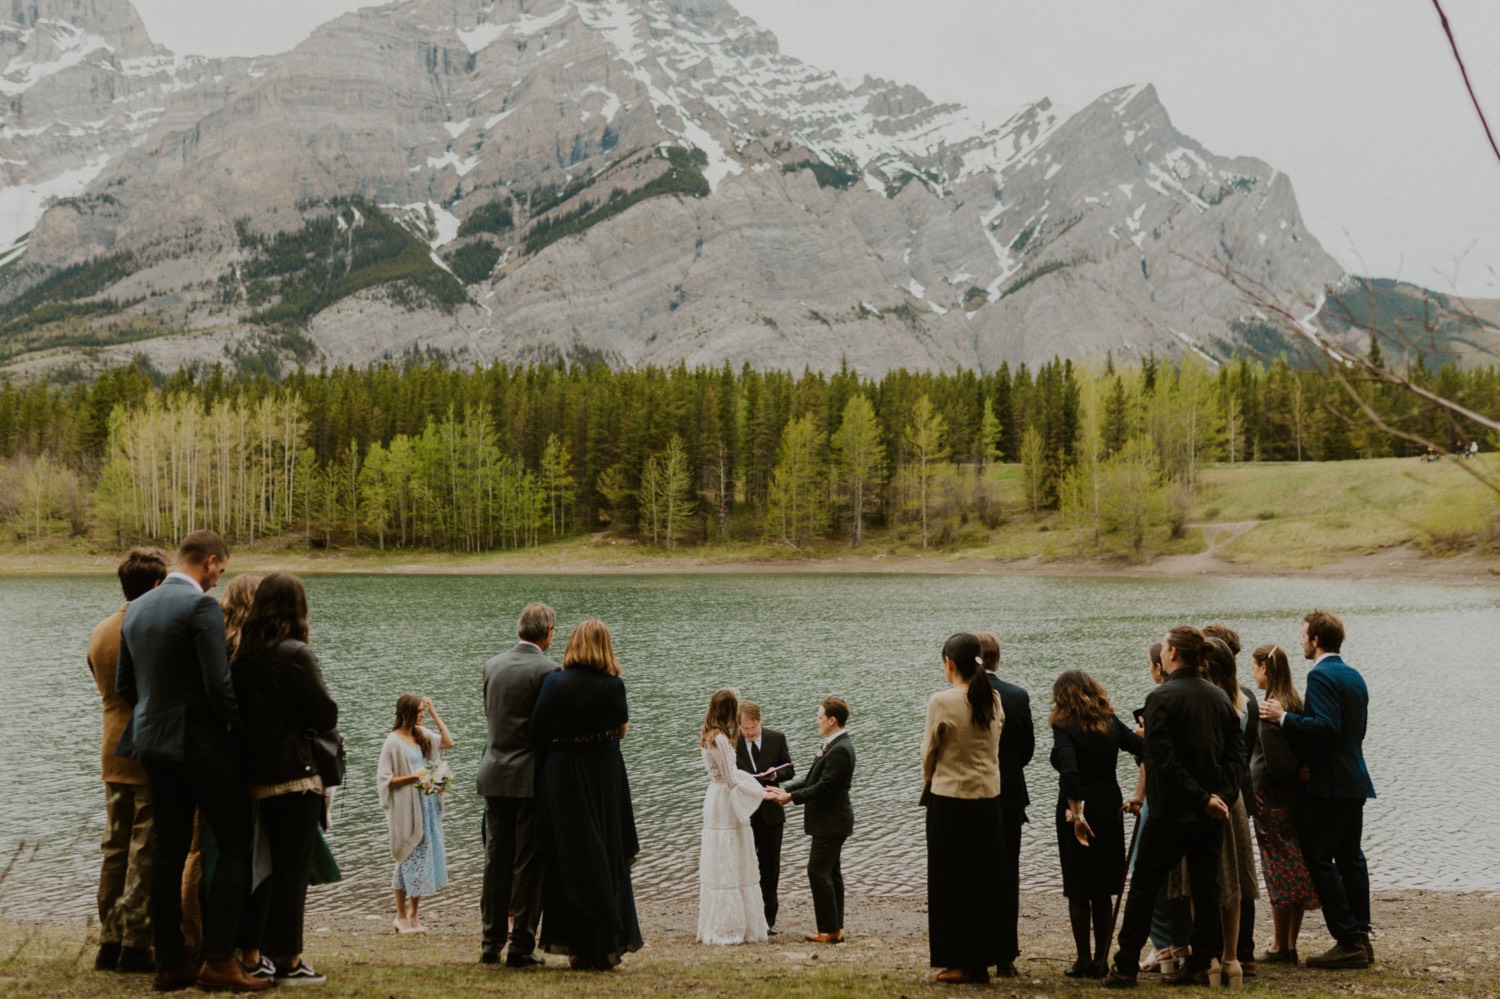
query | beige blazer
(104,656)
(958,759)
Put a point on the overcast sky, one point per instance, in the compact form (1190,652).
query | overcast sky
(1358,100)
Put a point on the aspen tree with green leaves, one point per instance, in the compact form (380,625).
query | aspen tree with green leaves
(798,507)
(859,457)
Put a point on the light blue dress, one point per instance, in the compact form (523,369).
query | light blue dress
(425,869)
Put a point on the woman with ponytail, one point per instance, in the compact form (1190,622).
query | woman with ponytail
(961,767)
(1086,740)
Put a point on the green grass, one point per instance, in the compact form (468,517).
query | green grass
(1314,514)
(56,961)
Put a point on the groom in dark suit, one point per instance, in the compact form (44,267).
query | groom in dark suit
(1330,738)
(184,728)
(1017,746)
(829,818)
(763,751)
(507,780)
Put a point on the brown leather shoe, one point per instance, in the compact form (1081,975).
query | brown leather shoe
(227,975)
(837,936)
(184,977)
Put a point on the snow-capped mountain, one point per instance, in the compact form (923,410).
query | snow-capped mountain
(80,83)
(633,180)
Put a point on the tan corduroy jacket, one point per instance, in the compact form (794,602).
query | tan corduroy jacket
(104,655)
(960,760)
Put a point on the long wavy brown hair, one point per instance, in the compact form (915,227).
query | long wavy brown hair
(590,645)
(278,612)
(723,716)
(1080,701)
(236,601)
(1278,677)
(408,713)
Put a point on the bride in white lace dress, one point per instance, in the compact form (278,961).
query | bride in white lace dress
(729,903)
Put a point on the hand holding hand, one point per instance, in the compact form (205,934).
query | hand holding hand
(1082,831)
(779,796)
(1132,806)
(1271,710)
(1216,809)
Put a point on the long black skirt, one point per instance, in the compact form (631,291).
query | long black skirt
(586,830)
(964,840)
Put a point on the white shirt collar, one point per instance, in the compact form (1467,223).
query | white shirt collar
(182,575)
(833,736)
(1325,655)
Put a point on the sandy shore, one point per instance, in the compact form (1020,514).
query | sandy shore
(628,559)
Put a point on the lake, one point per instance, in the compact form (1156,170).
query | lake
(1426,650)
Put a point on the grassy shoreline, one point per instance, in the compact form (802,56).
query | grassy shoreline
(1357,519)
(1429,944)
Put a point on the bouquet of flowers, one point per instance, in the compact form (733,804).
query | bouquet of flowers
(435,778)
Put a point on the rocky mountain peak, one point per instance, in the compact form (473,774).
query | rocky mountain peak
(645,181)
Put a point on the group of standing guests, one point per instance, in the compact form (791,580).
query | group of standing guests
(559,831)
(217,723)
(208,725)
(1193,886)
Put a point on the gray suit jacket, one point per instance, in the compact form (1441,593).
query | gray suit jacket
(512,681)
(174,673)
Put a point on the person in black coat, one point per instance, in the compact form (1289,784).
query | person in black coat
(762,751)
(1017,746)
(1195,761)
(283,701)
(829,818)
(1086,740)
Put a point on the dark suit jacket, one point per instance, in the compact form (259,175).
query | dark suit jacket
(174,672)
(1017,746)
(1252,743)
(1193,747)
(1330,732)
(512,681)
(773,753)
(825,791)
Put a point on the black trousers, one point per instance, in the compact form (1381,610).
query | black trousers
(825,875)
(212,784)
(768,858)
(1012,820)
(512,875)
(273,918)
(1331,829)
(1162,846)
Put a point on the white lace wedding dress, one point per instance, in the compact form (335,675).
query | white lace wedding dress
(730,910)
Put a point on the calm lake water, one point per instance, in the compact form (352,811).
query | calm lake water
(1427,651)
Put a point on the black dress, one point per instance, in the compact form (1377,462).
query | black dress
(1085,763)
(585,824)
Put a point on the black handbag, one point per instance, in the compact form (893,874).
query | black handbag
(328,755)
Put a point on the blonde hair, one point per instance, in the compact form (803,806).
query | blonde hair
(590,645)
(236,601)
(722,716)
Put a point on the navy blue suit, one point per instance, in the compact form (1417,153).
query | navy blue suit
(1329,736)
(185,731)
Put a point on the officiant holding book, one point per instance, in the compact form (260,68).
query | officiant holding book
(762,751)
